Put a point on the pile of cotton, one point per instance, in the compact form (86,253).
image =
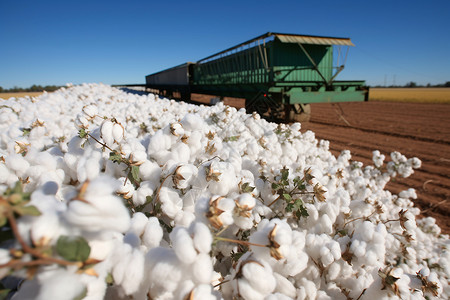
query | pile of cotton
(114,195)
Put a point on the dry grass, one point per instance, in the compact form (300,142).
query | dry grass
(422,95)
(17,95)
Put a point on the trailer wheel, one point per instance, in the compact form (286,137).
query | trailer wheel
(300,113)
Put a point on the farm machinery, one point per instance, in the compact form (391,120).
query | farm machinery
(277,74)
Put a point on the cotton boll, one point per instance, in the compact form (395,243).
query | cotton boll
(202,268)
(184,218)
(89,165)
(107,132)
(260,276)
(138,223)
(101,249)
(90,111)
(118,132)
(202,237)
(246,291)
(326,225)
(171,202)
(126,188)
(153,233)
(183,245)
(4,173)
(101,210)
(52,284)
(184,175)
(128,270)
(46,229)
(226,180)
(284,286)
(17,164)
(192,122)
(146,189)
(150,171)
(165,271)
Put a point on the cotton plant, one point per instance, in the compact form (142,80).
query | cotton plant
(136,196)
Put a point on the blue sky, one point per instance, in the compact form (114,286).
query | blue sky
(56,42)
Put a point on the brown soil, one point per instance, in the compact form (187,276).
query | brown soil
(414,129)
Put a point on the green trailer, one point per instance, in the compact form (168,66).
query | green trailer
(277,74)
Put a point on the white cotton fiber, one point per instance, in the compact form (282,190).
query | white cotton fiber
(53,284)
(107,132)
(4,173)
(102,210)
(17,164)
(202,268)
(153,233)
(202,237)
(150,171)
(138,223)
(171,202)
(284,286)
(183,245)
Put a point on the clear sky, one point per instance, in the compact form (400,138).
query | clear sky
(116,42)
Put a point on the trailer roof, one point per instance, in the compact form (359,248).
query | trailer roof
(291,38)
(309,39)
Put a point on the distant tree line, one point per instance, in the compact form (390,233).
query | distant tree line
(33,88)
(413,84)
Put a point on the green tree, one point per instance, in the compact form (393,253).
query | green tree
(411,84)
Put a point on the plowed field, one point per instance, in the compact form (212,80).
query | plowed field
(414,129)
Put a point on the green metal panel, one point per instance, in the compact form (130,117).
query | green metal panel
(290,62)
(243,67)
(348,95)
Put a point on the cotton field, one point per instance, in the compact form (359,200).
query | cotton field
(115,195)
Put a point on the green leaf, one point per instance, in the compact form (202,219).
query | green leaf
(109,279)
(232,138)
(17,189)
(303,212)
(135,173)
(284,174)
(235,256)
(115,157)
(247,188)
(289,207)
(275,186)
(28,210)
(287,197)
(26,131)
(82,133)
(342,232)
(73,248)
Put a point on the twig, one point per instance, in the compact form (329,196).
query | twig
(42,258)
(434,205)
(103,144)
(425,183)
(341,115)
(245,243)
